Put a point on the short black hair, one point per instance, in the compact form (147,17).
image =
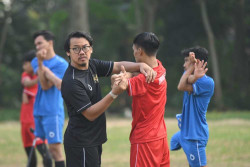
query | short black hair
(48,36)
(28,56)
(77,34)
(148,41)
(200,53)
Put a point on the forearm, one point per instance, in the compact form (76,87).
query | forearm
(53,78)
(45,83)
(184,85)
(29,82)
(129,66)
(97,109)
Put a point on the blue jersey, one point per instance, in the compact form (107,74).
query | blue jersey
(50,102)
(194,124)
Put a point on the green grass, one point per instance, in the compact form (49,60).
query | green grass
(228,145)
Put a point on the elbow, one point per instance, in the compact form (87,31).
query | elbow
(91,119)
(44,87)
(180,88)
(88,116)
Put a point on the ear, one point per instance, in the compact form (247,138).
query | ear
(67,53)
(51,42)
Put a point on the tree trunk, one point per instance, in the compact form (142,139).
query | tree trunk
(215,66)
(150,7)
(79,16)
(138,17)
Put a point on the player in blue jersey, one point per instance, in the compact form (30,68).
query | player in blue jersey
(48,107)
(198,89)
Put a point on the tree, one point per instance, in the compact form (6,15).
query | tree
(79,15)
(212,48)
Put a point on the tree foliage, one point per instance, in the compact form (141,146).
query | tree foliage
(113,25)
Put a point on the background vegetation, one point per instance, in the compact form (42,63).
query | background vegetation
(223,27)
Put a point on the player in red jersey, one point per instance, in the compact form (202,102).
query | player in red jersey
(148,137)
(29,82)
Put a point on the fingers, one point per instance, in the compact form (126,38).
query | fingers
(192,57)
(123,69)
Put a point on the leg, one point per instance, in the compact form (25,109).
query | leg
(28,139)
(150,154)
(175,142)
(32,161)
(195,152)
(56,151)
(43,150)
(53,126)
(83,157)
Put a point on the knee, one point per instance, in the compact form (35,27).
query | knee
(56,151)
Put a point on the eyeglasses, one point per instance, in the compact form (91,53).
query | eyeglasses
(77,50)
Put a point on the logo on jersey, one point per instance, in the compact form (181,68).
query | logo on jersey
(51,134)
(162,78)
(95,78)
(192,157)
(90,88)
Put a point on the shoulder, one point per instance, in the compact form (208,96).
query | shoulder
(139,78)
(60,59)
(207,81)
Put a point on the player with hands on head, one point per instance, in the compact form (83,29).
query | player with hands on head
(198,89)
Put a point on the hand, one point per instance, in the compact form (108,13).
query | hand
(116,78)
(192,58)
(148,72)
(120,82)
(41,54)
(200,69)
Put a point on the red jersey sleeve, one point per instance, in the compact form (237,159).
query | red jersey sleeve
(137,85)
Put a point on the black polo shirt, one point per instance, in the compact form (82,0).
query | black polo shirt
(81,89)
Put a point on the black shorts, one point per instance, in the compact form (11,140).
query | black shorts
(83,156)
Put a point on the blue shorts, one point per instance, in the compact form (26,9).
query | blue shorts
(195,150)
(50,128)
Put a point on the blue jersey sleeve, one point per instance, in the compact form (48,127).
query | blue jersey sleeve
(203,86)
(34,64)
(60,68)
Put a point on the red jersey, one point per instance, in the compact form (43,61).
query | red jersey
(148,106)
(26,115)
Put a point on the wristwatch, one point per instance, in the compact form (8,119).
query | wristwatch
(113,95)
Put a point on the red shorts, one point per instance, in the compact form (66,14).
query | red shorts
(151,154)
(28,136)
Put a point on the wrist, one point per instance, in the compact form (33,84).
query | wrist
(114,96)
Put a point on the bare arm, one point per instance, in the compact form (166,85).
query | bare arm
(27,82)
(25,99)
(45,83)
(198,69)
(184,85)
(53,78)
(135,67)
(100,107)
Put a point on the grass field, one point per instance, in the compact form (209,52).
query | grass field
(229,143)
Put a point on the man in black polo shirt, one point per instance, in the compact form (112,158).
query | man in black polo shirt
(86,131)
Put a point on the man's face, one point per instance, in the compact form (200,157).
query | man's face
(41,43)
(187,63)
(80,53)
